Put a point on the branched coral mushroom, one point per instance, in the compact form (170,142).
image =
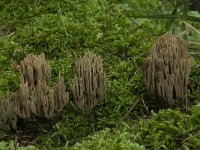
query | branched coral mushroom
(89,83)
(34,99)
(167,71)
(8,117)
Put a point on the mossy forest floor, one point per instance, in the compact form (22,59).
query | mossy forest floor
(126,119)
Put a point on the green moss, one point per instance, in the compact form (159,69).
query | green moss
(107,139)
(64,30)
(170,129)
